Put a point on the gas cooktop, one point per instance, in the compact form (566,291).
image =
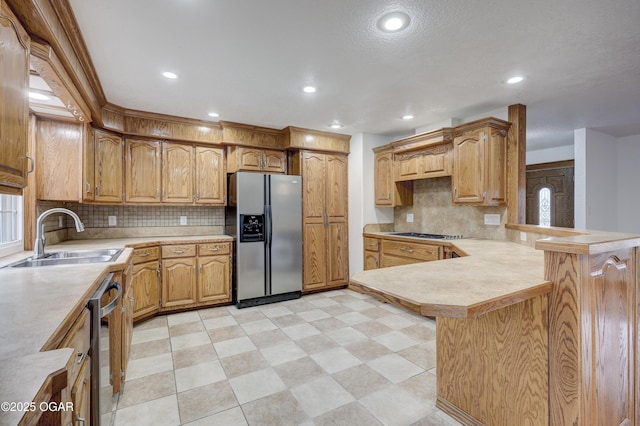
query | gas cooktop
(430,236)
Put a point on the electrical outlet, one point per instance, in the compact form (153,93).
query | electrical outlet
(113,220)
(492,219)
(409,217)
(183,220)
(523,236)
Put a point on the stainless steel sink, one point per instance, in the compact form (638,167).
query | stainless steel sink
(84,253)
(78,257)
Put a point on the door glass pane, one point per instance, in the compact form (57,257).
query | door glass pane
(544,196)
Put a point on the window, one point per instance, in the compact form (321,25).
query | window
(11,237)
(544,213)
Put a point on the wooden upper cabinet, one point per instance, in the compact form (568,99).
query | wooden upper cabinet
(14,103)
(142,171)
(313,178)
(383,179)
(336,187)
(108,167)
(177,173)
(256,160)
(389,193)
(480,169)
(58,160)
(88,164)
(210,176)
(275,161)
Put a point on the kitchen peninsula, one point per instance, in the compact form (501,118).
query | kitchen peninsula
(545,335)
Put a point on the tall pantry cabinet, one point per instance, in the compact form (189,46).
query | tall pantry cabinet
(324,218)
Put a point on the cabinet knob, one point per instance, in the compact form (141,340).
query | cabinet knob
(406,250)
(143,254)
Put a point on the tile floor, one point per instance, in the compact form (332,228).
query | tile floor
(334,358)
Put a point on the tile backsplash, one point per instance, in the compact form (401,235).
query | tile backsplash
(433,212)
(97,216)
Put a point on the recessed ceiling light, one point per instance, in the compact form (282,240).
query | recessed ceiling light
(38,96)
(407,117)
(335,125)
(393,22)
(170,75)
(514,80)
(214,114)
(309,89)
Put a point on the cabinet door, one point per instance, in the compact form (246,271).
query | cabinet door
(274,161)
(128,304)
(108,167)
(436,162)
(178,282)
(211,182)
(408,166)
(14,103)
(337,188)
(496,168)
(81,394)
(337,254)
(88,164)
(142,171)
(468,178)
(177,173)
(371,260)
(313,166)
(58,160)
(214,279)
(383,183)
(314,256)
(145,281)
(249,159)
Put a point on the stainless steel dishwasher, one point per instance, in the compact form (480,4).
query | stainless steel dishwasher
(102,304)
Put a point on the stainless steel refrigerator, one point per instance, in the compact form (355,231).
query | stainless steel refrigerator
(264,214)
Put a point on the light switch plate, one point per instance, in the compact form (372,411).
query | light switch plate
(409,217)
(492,219)
(183,220)
(113,220)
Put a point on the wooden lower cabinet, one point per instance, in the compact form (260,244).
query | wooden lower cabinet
(78,388)
(201,278)
(81,395)
(145,282)
(128,305)
(371,253)
(178,282)
(396,253)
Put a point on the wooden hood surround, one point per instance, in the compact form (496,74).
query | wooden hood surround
(593,307)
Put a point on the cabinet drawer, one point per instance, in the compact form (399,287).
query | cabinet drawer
(213,249)
(148,254)
(371,244)
(420,252)
(78,338)
(187,250)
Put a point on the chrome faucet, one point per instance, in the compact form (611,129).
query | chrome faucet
(38,246)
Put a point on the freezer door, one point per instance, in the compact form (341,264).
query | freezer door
(286,233)
(250,257)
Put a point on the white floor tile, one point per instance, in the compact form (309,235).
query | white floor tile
(199,375)
(395,340)
(159,412)
(256,385)
(231,417)
(335,360)
(234,346)
(187,341)
(394,367)
(183,317)
(150,365)
(300,331)
(143,336)
(281,353)
(394,406)
(220,322)
(260,326)
(321,395)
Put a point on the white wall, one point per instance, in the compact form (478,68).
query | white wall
(629,184)
(361,196)
(596,180)
(548,155)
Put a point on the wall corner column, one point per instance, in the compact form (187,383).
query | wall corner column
(516,164)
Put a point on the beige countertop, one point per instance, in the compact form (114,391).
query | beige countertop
(494,274)
(36,304)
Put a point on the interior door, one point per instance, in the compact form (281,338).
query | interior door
(558,178)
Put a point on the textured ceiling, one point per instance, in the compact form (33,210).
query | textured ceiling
(248,60)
